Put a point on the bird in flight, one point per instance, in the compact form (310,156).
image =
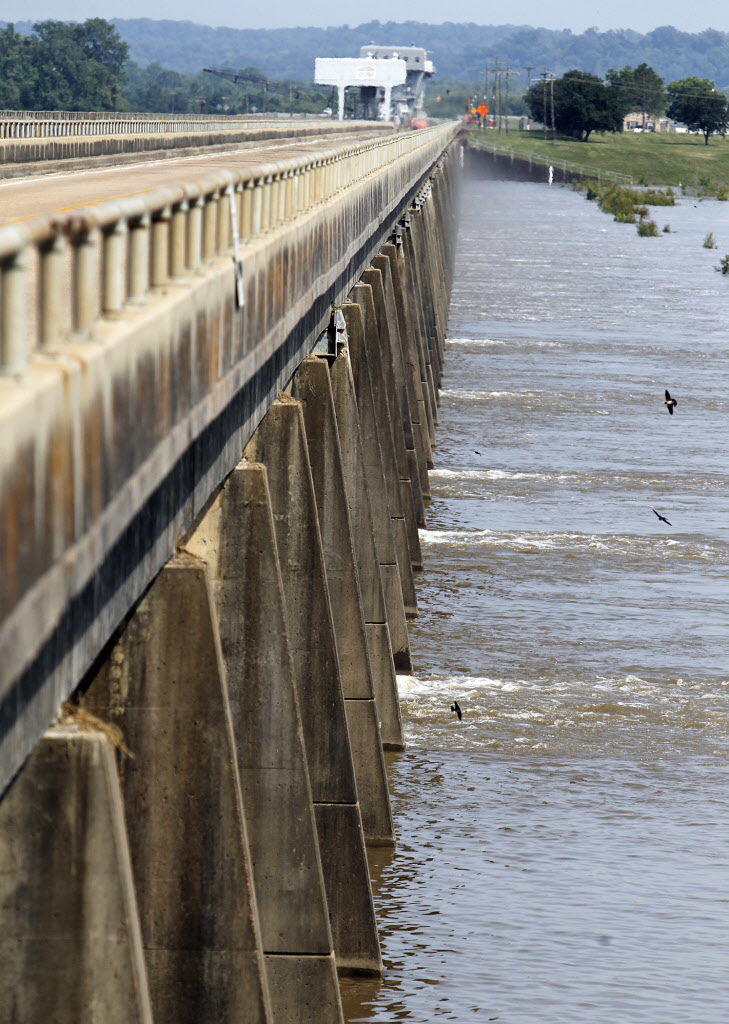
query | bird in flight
(670,403)
(662,518)
(455,706)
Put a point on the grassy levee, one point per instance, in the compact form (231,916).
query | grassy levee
(649,159)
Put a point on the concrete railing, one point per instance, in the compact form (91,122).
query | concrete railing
(43,124)
(60,275)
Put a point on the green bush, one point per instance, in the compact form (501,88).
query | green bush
(649,229)
(618,201)
(724,264)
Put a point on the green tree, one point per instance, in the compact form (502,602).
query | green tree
(640,88)
(18,70)
(582,104)
(63,67)
(696,102)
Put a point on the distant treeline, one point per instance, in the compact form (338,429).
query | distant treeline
(141,64)
(460,51)
(54,65)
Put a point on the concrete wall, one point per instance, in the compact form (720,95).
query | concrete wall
(241,720)
(20,157)
(483,163)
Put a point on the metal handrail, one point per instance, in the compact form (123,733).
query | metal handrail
(115,253)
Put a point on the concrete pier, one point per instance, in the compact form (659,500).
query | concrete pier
(360,507)
(187,842)
(70,944)
(311,385)
(383,486)
(236,537)
(163,686)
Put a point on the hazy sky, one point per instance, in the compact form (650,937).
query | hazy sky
(691,17)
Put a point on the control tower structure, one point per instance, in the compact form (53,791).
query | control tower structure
(408,98)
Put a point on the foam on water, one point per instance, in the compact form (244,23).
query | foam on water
(610,544)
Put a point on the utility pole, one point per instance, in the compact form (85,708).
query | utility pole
(547,79)
(500,72)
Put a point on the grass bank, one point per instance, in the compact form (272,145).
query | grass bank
(649,159)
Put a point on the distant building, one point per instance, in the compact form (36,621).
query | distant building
(639,122)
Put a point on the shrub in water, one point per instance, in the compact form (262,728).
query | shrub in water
(724,264)
(649,229)
(666,229)
(709,242)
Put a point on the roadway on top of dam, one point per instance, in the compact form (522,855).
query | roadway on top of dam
(37,196)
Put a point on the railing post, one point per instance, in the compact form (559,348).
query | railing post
(138,258)
(113,267)
(266,205)
(160,262)
(246,211)
(289,195)
(210,225)
(224,241)
(52,288)
(13,340)
(178,240)
(281,198)
(84,248)
(194,233)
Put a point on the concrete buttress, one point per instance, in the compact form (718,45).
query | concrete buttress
(383,325)
(411,364)
(312,387)
(70,947)
(162,684)
(378,482)
(403,394)
(236,538)
(280,444)
(395,490)
(365,550)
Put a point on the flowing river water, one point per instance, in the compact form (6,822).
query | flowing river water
(563,850)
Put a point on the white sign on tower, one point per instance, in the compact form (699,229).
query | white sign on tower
(346,71)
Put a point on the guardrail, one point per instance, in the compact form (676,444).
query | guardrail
(583,170)
(42,124)
(60,275)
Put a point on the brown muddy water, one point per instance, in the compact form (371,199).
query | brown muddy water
(563,851)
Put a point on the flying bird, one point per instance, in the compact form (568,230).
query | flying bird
(455,706)
(662,518)
(670,403)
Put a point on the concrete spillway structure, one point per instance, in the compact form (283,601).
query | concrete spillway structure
(219,507)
